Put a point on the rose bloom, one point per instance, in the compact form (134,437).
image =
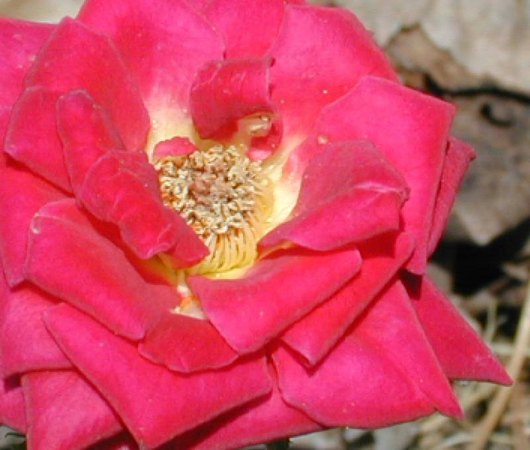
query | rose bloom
(215,222)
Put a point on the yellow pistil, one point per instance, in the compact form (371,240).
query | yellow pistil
(224,197)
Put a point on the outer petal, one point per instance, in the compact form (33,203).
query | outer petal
(462,353)
(64,412)
(354,386)
(76,58)
(25,344)
(225,91)
(87,270)
(164,43)
(86,132)
(12,408)
(122,188)
(316,334)
(154,403)
(261,421)
(250,311)
(19,42)
(22,195)
(186,344)
(248,28)
(349,193)
(457,160)
(309,72)
(416,130)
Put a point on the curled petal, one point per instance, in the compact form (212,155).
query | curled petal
(76,58)
(316,334)
(457,160)
(226,91)
(414,139)
(12,406)
(122,188)
(349,193)
(248,28)
(70,260)
(25,344)
(250,311)
(462,353)
(308,73)
(86,133)
(154,403)
(22,194)
(64,411)
(186,344)
(19,42)
(164,43)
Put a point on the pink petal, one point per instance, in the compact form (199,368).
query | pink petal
(122,441)
(177,146)
(277,291)
(25,344)
(349,193)
(19,42)
(457,160)
(77,58)
(391,327)
(261,421)
(22,195)
(122,188)
(186,344)
(316,334)
(64,412)
(248,28)
(462,353)
(355,386)
(154,403)
(12,407)
(320,54)
(416,130)
(86,133)
(32,138)
(70,260)
(164,43)
(225,91)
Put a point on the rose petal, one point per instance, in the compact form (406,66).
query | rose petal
(416,129)
(250,311)
(356,386)
(349,193)
(164,43)
(269,419)
(64,412)
(225,91)
(12,407)
(19,42)
(316,334)
(32,138)
(122,441)
(76,58)
(391,326)
(22,195)
(177,146)
(248,28)
(154,403)
(186,344)
(457,160)
(462,353)
(122,188)
(86,132)
(25,344)
(308,73)
(70,260)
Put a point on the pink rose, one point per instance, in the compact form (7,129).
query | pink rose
(215,222)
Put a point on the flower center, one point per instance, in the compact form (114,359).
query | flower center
(224,197)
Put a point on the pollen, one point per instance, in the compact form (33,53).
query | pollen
(224,196)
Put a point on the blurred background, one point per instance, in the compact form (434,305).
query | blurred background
(476,54)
